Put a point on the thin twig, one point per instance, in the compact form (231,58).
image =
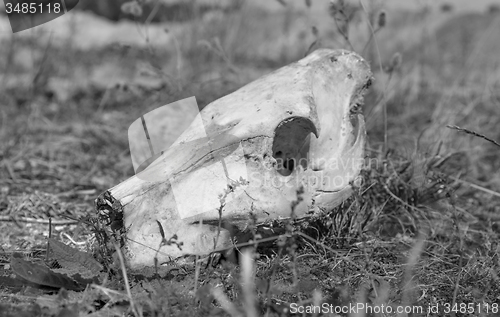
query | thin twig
(10,171)
(125,281)
(475,186)
(152,14)
(35,220)
(50,237)
(197,264)
(372,34)
(247,282)
(482,136)
(384,104)
(372,29)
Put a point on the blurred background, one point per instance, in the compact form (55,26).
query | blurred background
(70,88)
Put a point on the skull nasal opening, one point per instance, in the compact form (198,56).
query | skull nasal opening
(291,144)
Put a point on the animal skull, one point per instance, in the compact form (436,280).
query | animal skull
(245,156)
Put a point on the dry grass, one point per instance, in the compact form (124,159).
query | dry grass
(421,229)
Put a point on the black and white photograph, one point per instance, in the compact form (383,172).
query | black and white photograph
(249,158)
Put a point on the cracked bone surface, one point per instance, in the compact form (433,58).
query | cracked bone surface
(299,126)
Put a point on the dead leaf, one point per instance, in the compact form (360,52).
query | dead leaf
(73,261)
(42,275)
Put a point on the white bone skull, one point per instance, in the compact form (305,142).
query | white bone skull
(299,126)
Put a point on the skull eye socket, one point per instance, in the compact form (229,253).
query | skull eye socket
(291,144)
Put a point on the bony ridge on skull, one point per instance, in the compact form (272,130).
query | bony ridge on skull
(244,157)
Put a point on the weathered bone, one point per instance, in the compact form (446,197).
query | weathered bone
(299,126)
